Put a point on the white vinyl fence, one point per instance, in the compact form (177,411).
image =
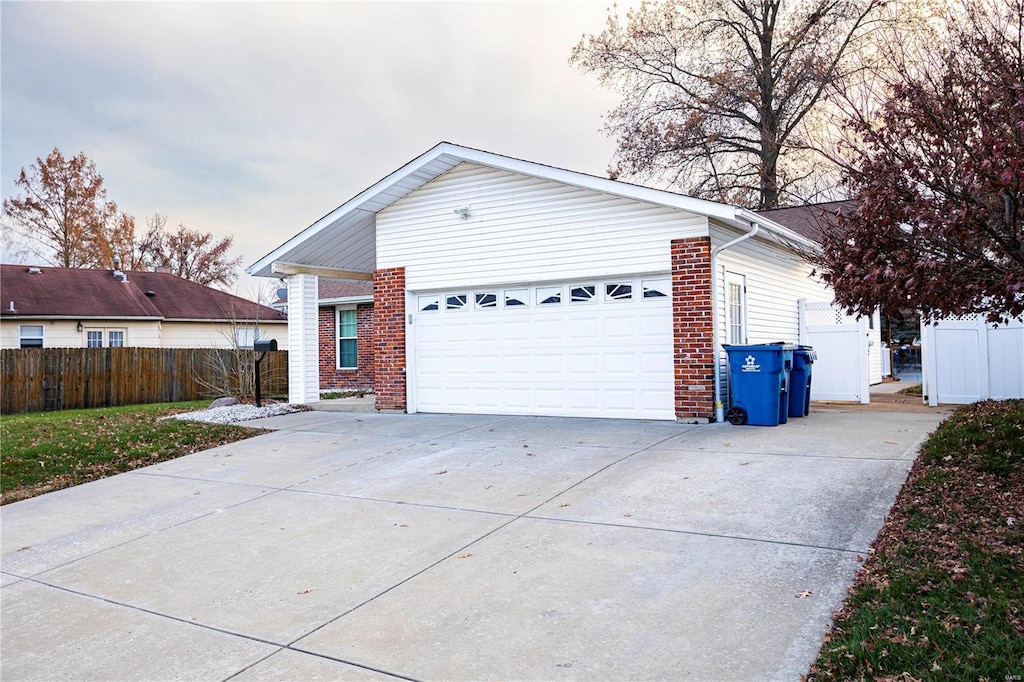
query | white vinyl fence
(966,360)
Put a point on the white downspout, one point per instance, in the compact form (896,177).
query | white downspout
(716,346)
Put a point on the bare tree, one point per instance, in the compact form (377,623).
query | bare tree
(63,208)
(938,177)
(715,93)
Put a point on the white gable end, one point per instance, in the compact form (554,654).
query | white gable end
(523,229)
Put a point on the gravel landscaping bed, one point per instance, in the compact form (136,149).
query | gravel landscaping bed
(237,413)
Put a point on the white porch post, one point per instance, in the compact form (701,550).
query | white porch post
(303,340)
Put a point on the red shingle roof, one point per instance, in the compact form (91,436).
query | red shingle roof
(73,292)
(809,220)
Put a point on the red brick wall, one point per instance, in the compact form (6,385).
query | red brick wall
(360,378)
(692,329)
(389,330)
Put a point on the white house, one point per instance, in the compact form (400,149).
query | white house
(504,286)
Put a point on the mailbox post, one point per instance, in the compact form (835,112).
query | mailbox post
(261,347)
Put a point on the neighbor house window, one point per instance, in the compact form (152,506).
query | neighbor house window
(246,337)
(94,338)
(115,339)
(30,335)
(347,328)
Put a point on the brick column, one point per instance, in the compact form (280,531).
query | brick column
(692,328)
(389,338)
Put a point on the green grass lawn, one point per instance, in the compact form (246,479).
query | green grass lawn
(941,597)
(47,451)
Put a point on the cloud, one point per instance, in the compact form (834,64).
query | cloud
(254,119)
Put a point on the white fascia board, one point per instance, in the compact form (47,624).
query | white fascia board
(732,215)
(353,204)
(42,316)
(342,300)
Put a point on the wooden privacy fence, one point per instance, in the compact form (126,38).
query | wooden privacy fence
(37,379)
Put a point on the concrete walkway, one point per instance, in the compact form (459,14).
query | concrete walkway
(375,546)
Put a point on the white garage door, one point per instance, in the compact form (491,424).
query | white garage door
(587,349)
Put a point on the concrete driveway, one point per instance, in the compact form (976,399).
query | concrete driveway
(368,546)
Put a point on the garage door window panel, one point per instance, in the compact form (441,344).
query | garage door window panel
(429,304)
(619,291)
(456,301)
(549,295)
(583,294)
(656,288)
(517,298)
(487,299)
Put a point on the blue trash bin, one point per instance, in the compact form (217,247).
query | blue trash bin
(758,376)
(800,381)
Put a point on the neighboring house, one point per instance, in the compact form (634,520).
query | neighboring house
(504,286)
(80,308)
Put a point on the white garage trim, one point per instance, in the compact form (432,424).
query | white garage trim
(592,348)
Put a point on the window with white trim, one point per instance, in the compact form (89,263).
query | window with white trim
(30,335)
(115,338)
(429,304)
(582,294)
(656,288)
(618,291)
(488,299)
(348,344)
(246,337)
(94,338)
(736,308)
(549,295)
(517,297)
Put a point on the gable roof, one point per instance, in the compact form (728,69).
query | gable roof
(82,293)
(345,237)
(809,220)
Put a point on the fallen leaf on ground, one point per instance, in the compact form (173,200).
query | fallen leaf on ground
(805,594)
(438,473)
(465,556)
(564,505)
(305,591)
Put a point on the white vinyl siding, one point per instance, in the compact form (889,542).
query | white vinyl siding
(523,229)
(775,281)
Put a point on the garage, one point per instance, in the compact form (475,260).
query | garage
(597,348)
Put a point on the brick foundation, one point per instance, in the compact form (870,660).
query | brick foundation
(360,378)
(692,329)
(389,338)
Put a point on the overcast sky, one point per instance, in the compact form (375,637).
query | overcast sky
(254,119)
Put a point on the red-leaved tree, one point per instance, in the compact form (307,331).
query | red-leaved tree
(939,181)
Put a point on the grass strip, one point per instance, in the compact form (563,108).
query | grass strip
(45,451)
(941,595)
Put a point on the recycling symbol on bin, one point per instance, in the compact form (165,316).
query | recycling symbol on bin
(749,364)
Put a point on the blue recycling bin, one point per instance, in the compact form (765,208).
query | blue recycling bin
(758,379)
(804,358)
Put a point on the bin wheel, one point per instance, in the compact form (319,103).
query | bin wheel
(736,416)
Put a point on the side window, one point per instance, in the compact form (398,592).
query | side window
(736,308)
(30,335)
(115,338)
(94,338)
(347,339)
